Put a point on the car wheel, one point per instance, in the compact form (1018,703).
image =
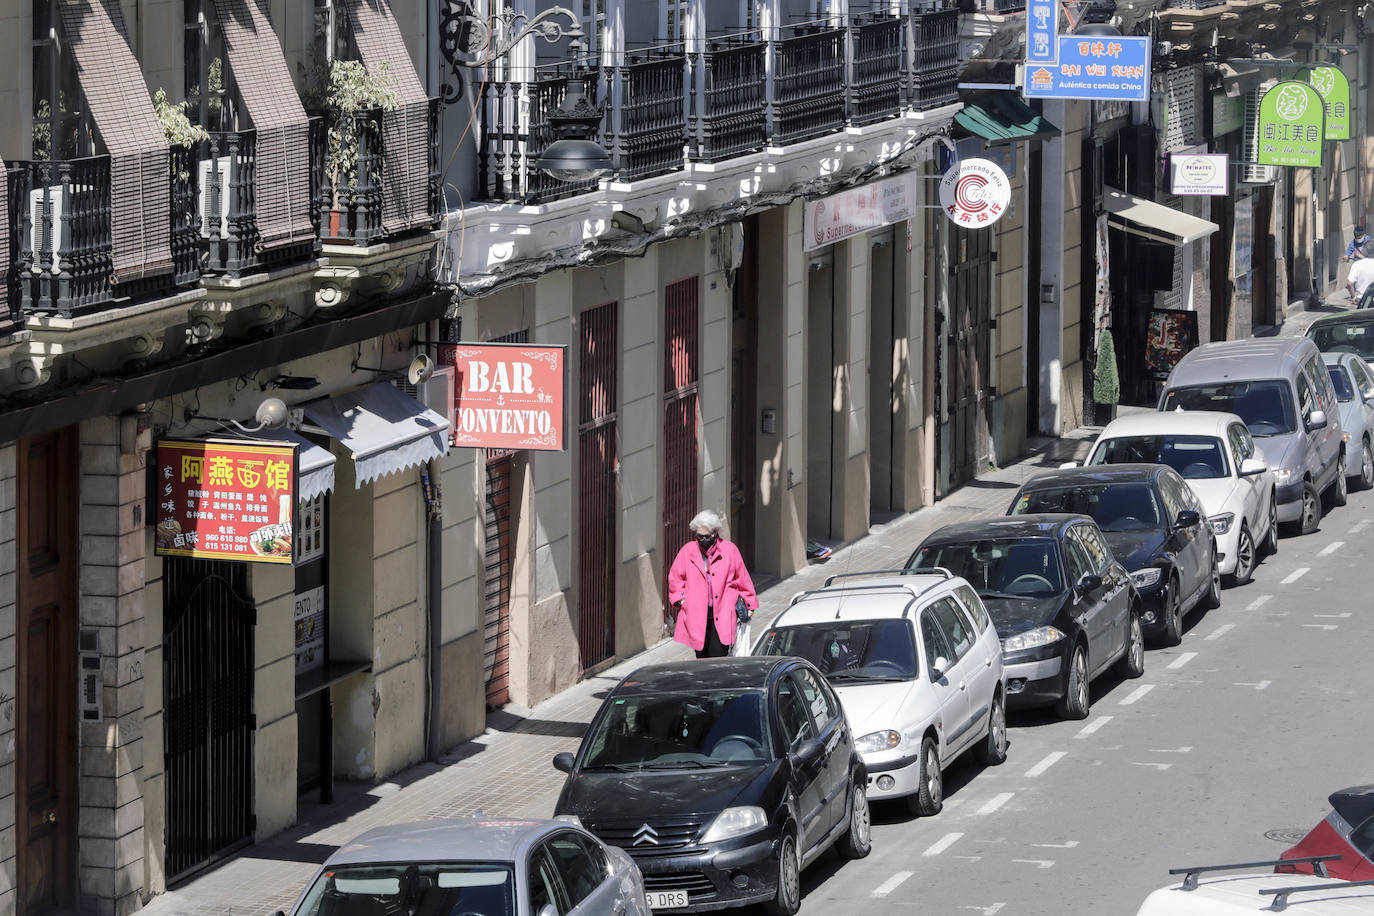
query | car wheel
(1340,489)
(1271,540)
(787,900)
(1212,599)
(858,839)
(993,749)
(1311,508)
(1366,465)
(930,797)
(1173,614)
(1132,663)
(1245,557)
(1074,705)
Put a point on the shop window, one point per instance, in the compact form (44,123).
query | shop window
(310,530)
(208,81)
(61,129)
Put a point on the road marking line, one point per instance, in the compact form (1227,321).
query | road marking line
(1321,626)
(1171,750)
(985,910)
(1334,616)
(1295,575)
(996,802)
(1359,526)
(1157,766)
(1331,548)
(891,884)
(1136,694)
(1258,603)
(1068,845)
(1050,760)
(1259,685)
(943,843)
(1093,726)
(1182,660)
(1219,631)
(1038,863)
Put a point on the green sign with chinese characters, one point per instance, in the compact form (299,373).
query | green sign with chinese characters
(1334,87)
(1291,126)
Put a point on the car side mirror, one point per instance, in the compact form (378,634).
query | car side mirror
(938,669)
(1252,466)
(1187,519)
(1316,420)
(810,750)
(1089,583)
(563,761)
(1068,464)
(548,909)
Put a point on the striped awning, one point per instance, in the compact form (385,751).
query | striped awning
(405,130)
(314,463)
(140,171)
(263,80)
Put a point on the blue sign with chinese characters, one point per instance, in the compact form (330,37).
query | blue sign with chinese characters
(1042,29)
(1093,67)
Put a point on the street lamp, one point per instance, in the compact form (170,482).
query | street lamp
(468,40)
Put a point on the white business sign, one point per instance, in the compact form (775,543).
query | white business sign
(1198,173)
(859,210)
(974,193)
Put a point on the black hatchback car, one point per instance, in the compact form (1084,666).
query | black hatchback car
(1064,609)
(722,778)
(1154,524)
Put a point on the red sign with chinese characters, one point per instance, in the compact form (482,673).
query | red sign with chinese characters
(226,500)
(508,396)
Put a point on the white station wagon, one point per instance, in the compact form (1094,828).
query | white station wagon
(917,665)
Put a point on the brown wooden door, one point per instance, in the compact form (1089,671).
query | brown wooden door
(47,602)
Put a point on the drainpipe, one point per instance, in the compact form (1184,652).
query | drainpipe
(434,533)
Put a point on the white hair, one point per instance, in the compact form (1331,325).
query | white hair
(705,519)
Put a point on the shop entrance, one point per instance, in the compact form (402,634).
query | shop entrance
(45,747)
(596,465)
(207,647)
(967,336)
(681,313)
(497,578)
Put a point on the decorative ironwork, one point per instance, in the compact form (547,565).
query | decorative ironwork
(468,40)
(875,82)
(809,83)
(728,116)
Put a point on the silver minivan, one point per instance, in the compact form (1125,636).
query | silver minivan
(1280,388)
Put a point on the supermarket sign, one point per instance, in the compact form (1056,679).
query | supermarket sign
(225,500)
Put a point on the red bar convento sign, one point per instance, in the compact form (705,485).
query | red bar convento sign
(509,396)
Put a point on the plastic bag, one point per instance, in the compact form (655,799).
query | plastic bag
(742,642)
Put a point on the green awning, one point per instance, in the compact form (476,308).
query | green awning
(1001,117)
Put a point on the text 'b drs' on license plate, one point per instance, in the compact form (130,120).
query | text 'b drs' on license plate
(667,900)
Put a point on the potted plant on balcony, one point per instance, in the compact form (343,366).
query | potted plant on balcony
(179,131)
(352,97)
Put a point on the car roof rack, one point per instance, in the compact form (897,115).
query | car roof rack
(1280,894)
(906,571)
(1190,873)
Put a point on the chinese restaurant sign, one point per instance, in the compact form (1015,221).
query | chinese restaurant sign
(225,500)
(1290,126)
(1334,88)
(1093,68)
(858,210)
(508,396)
(1042,30)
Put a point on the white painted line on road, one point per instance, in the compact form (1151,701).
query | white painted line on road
(1069,845)
(1258,602)
(1182,660)
(1258,685)
(1219,632)
(1093,726)
(1331,548)
(1157,766)
(1171,750)
(943,843)
(1136,694)
(1295,575)
(985,910)
(1322,626)
(1359,526)
(996,802)
(1050,760)
(1334,616)
(891,884)
(1038,863)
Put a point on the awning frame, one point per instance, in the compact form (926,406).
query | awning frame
(1126,212)
(384,430)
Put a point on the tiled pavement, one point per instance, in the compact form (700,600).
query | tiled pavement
(508,769)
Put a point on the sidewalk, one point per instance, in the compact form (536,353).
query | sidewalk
(508,770)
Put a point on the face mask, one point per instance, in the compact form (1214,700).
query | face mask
(706,540)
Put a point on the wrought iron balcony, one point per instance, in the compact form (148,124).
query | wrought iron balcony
(727,84)
(934,68)
(875,75)
(651,130)
(809,90)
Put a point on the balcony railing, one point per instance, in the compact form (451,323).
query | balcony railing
(875,77)
(652,129)
(934,37)
(728,83)
(809,84)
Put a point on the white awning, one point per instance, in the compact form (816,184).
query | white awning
(314,463)
(1152,220)
(386,431)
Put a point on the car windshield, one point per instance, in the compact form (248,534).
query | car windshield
(483,888)
(1337,337)
(1114,506)
(1266,407)
(677,731)
(1345,392)
(1020,568)
(1194,457)
(849,650)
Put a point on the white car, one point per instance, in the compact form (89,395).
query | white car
(1200,894)
(1214,452)
(917,665)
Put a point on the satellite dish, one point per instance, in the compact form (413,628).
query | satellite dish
(421,370)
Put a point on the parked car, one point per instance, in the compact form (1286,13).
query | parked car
(917,667)
(1063,608)
(1347,831)
(1347,332)
(1201,894)
(515,866)
(1214,452)
(1353,381)
(722,778)
(1279,387)
(1152,521)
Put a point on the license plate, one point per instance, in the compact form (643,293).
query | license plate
(667,900)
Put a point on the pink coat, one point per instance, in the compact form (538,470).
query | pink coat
(687,583)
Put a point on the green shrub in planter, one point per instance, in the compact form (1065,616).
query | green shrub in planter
(1106,383)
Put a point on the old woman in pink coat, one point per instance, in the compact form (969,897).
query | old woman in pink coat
(705,583)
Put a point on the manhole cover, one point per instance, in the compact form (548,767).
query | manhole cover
(1289,835)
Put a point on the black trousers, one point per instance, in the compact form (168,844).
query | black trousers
(713,648)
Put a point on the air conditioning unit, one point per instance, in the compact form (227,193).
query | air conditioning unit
(1250,171)
(47,235)
(214,196)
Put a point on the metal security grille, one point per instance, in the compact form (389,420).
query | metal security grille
(968,340)
(1182,89)
(680,375)
(496,600)
(596,465)
(208,692)
(1250,172)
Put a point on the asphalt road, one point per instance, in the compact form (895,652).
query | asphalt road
(1242,730)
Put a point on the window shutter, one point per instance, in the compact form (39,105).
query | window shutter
(1181,90)
(1250,172)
